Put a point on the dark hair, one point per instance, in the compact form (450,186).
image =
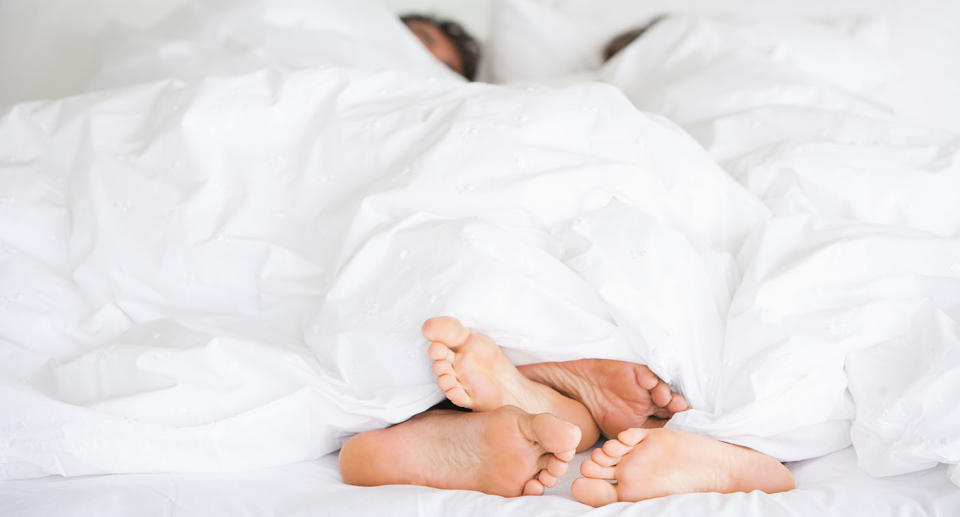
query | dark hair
(466,45)
(621,41)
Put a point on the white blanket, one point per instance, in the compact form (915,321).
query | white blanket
(848,310)
(230,273)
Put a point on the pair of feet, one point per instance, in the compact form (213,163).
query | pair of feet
(523,431)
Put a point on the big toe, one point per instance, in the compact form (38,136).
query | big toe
(445,329)
(594,492)
(554,435)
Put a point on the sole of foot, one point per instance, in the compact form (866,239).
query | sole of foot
(505,452)
(474,373)
(649,463)
(618,394)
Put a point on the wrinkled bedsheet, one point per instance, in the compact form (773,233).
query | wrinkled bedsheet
(229,272)
(845,326)
(831,485)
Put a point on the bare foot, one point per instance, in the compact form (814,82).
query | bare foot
(648,463)
(504,452)
(474,373)
(618,394)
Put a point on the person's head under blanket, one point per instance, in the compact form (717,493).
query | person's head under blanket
(620,41)
(448,41)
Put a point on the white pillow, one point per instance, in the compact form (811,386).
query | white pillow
(541,40)
(533,40)
(701,64)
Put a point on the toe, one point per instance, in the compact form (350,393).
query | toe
(554,435)
(645,377)
(661,413)
(446,330)
(543,461)
(603,459)
(633,436)
(440,352)
(660,394)
(459,396)
(448,382)
(547,479)
(552,464)
(556,466)
(594,492)
(591,469)
(615,448)
(442,367)
(533,487)
(678,403)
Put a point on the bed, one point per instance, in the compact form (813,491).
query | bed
(221,230)
(830,485)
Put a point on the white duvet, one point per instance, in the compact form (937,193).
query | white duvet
(845,326)
(226,273)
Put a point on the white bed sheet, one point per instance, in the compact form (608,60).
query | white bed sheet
(831,485)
